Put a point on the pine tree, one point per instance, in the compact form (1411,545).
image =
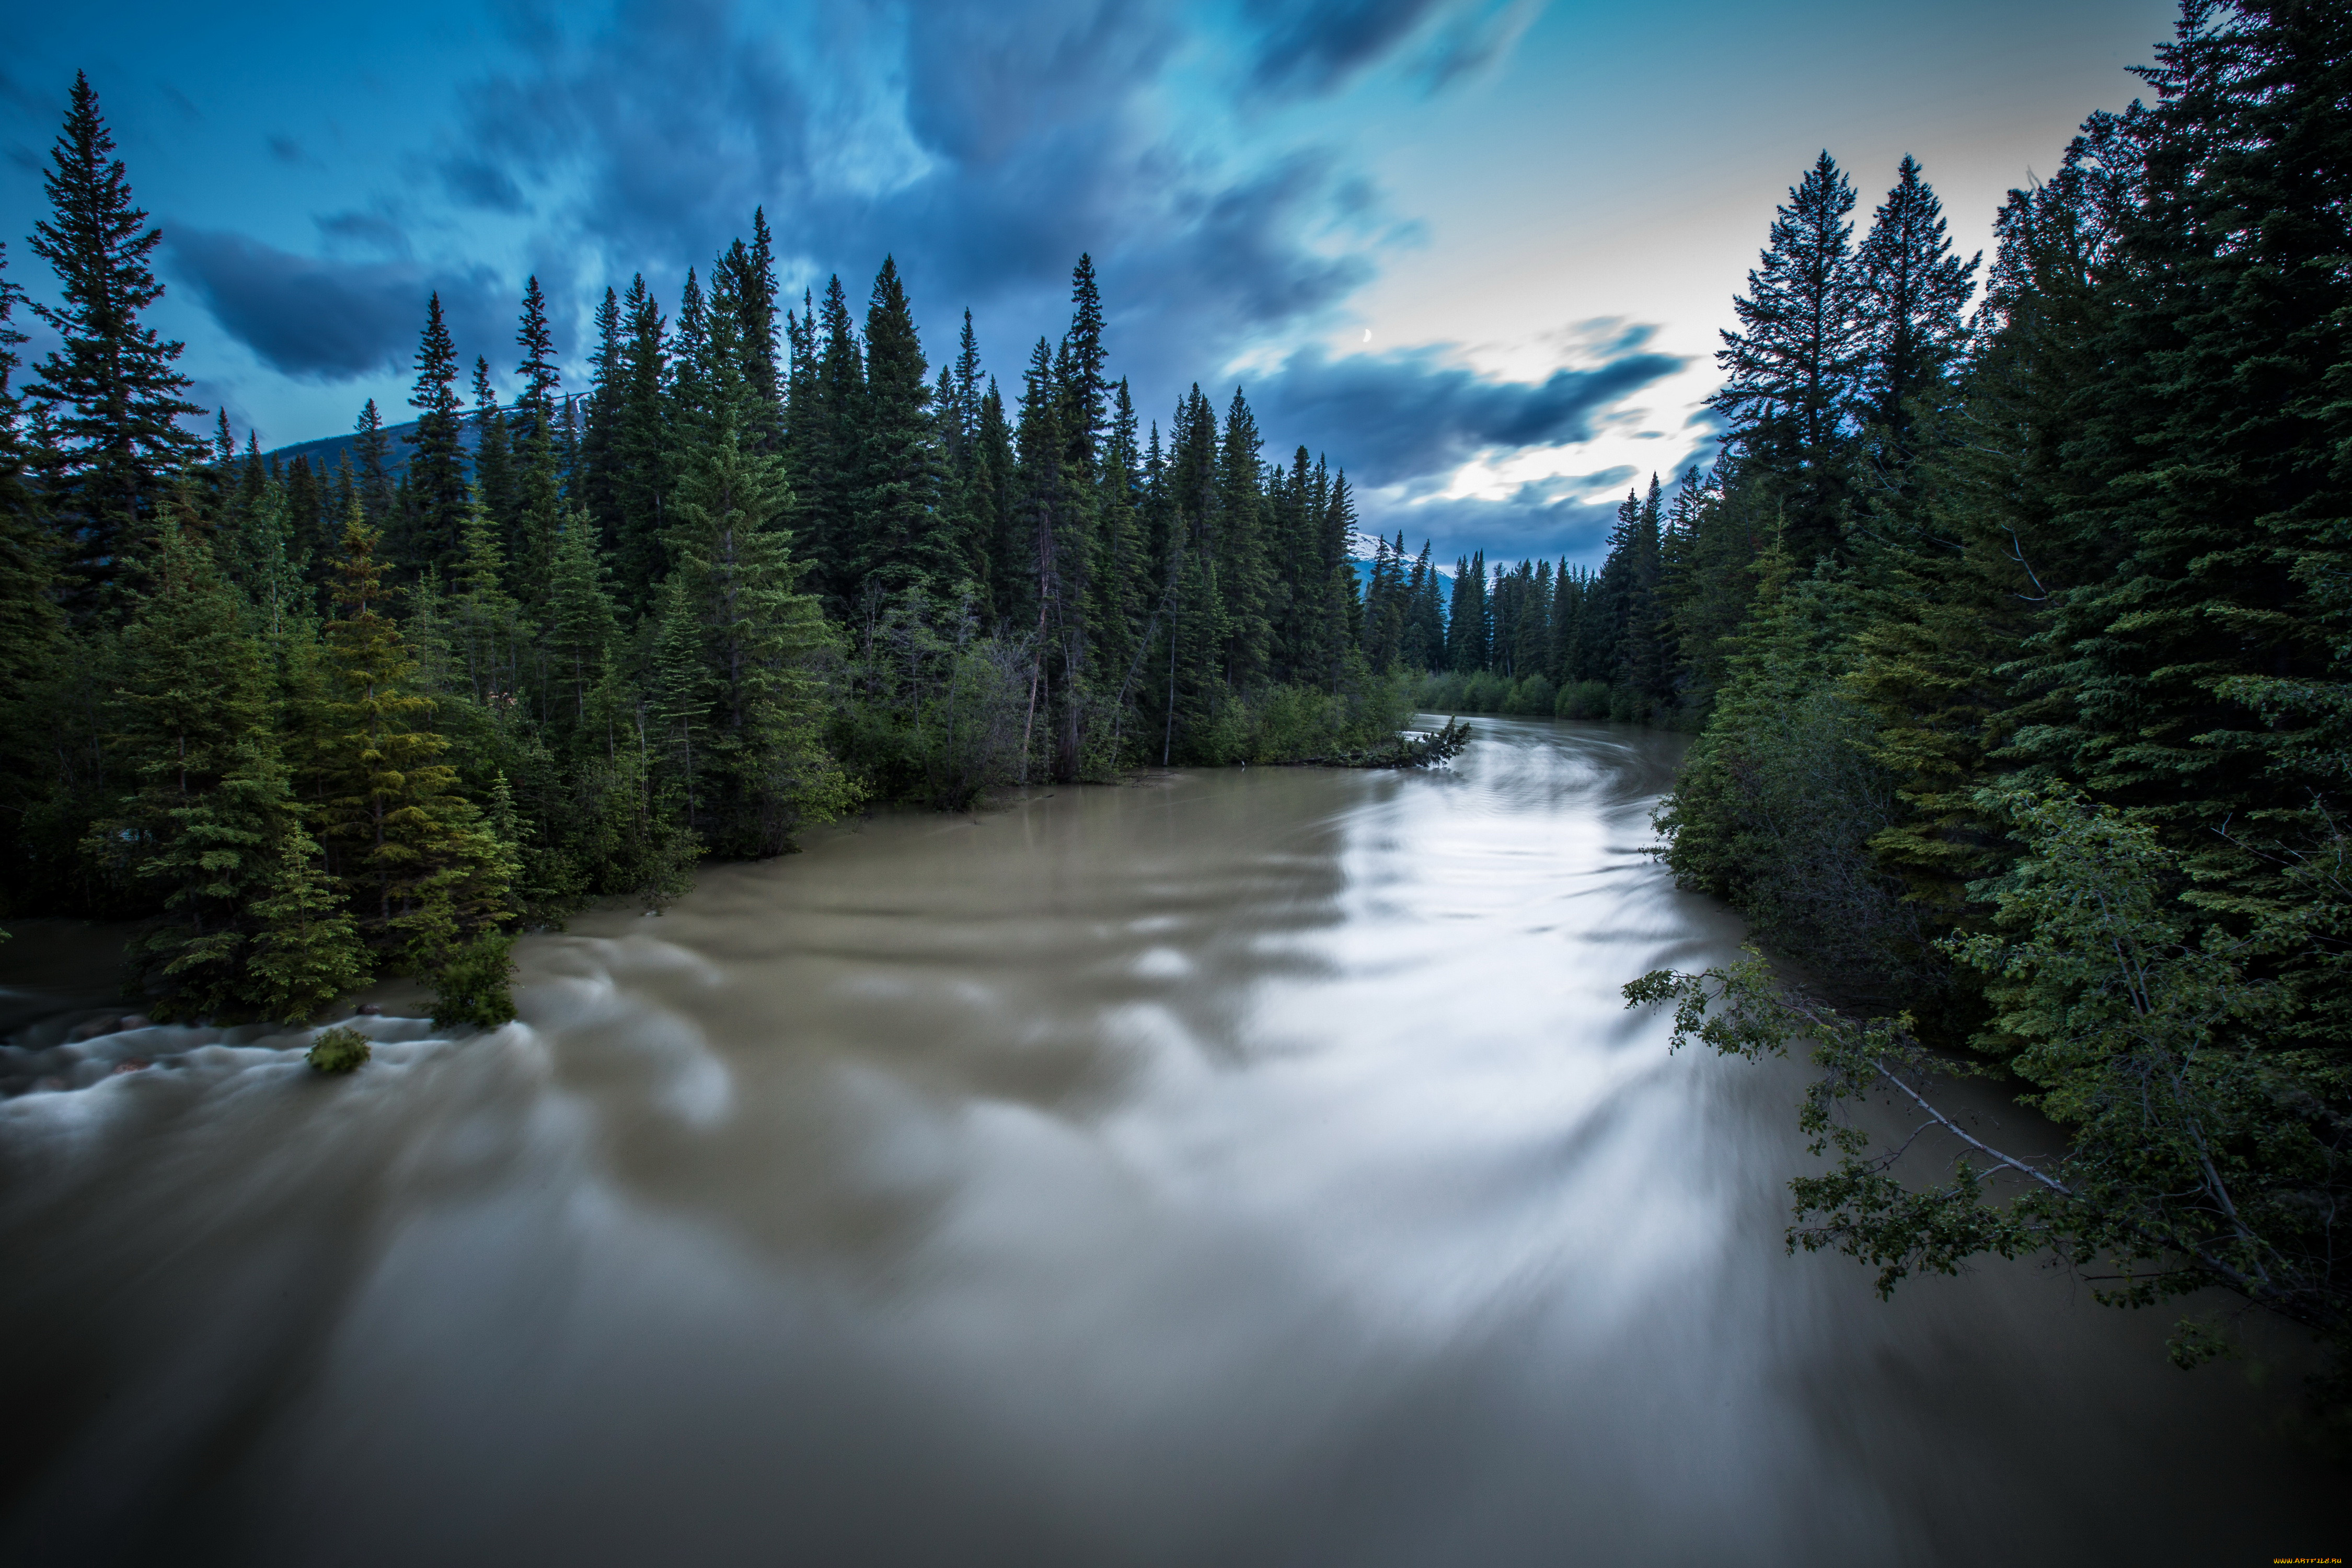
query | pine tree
(424,874)
(582,625)
(530,540)
(119,399)
(437,500)
(1244,570)
(598,485)
(1911,296)
(642,448)
(1789,371)
(190,729)
(733,596)
(305,951)
(376,487)
(901,539)
(494,468)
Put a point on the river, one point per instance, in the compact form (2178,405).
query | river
(1242,1167)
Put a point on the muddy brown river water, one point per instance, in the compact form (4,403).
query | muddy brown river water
(1248,1167)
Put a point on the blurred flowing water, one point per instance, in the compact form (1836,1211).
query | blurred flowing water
(1245,1167)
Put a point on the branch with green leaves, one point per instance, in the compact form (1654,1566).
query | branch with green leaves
(2205,1147)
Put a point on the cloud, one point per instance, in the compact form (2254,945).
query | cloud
(1315,45)
(1536,520)
(1416,413)
(284,148)
(364,231)
(329,321)
(983,144)
(478,183)
(1306,47)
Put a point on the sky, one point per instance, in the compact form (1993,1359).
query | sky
(1476,253)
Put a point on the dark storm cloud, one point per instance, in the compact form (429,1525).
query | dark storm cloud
(1411,415)
(1017,136)
(329,321)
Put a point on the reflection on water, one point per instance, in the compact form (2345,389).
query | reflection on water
(1248,1167)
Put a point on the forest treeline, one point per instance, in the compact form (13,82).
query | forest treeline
(2016,627)
(307,726)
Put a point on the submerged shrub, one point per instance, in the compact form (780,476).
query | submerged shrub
(471,987)
(339,1051)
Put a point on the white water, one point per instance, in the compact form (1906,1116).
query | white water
(1254,1167)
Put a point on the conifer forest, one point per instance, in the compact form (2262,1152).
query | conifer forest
(2011,626)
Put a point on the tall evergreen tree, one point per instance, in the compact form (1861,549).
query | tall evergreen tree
(375,471)
(494,467)
(734,598)
(190,727)
(902,540)
(1789,371)
(437,498)
(110,380)
(1911,297)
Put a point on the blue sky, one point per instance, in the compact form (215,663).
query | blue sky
(1477,251)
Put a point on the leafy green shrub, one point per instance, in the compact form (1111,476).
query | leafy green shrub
(1532,695)
(471,985)
(1439,693)
(1485,693)
(339,1051)
(1582,699)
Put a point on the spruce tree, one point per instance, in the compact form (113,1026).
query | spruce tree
(901,538)
(190,731)
(642,448)
(116,397)
(734,593)
(423,873)
(1245,570)
(582,624)
(494,467)
(530,540)
(29,623)
(827,437)
(437,500)
(1789,371)
(1911,297)
(374,475)
(305,951)
(598,484)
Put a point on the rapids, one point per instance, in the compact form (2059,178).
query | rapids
(1243,1167)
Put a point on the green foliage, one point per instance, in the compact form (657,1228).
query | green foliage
(932,711)
(339,1051)
(308,728)
(2203,1150)
(1581,699)
(471,984)
(307,949)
